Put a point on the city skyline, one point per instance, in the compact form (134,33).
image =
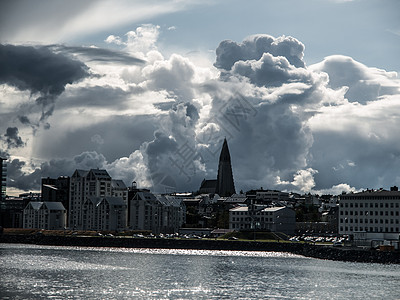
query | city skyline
(306,93)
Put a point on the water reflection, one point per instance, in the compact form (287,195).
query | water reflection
(32,272)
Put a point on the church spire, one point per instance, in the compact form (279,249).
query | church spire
(225,185)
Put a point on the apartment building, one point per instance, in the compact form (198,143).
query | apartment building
(84,184)
(104,213)
(45,215)
(259,217)
(157,213)
(374,212)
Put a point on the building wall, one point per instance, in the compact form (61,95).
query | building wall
(44,218)
(376,212)
(84,184)
(11,212)
(56,190)
(273,219)
(76,198)
(101,214)
(3,178)
(157,214)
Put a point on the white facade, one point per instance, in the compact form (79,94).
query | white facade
(84,184)
(276,219)
(370,212)
(104,213)
(157,213)
(45,215)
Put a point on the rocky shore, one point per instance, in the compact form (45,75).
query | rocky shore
(308,250)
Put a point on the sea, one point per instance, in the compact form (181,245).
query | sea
(53,272)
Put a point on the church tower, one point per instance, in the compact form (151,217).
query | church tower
(225,185)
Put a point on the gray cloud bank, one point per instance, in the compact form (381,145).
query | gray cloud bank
(39,71)
(289,126)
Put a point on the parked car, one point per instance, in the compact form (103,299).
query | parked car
(337,244)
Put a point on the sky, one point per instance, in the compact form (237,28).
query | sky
(307,93)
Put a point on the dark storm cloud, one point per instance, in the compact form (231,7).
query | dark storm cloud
(95,96)
(54,168)
(39,70)
(278,134)
(156,150)
(131,133)
(12,138)
(363,162)
(99,54)
(253,48)
(170,156)
(24,120)
(4,154)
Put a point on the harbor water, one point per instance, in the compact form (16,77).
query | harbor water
(53,272)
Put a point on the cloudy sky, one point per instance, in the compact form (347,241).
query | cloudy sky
(307,93)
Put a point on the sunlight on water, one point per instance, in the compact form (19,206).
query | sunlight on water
(32,272)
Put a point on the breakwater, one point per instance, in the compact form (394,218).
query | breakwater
(308,250)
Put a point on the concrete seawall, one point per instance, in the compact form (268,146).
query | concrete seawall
(308,250)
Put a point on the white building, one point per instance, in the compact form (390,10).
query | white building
(45,215)
(104,213)
(276,219)
(370,214)
(83,184)
(157,213)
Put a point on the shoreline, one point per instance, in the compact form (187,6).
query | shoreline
(308,250)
